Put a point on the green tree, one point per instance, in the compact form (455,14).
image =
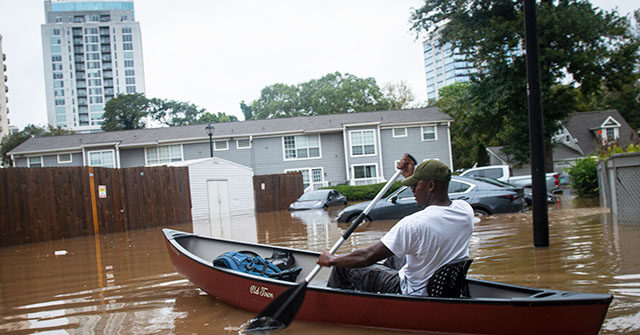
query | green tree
(468,143)
(331,94)
(575,42)
(9,142)
(399,94)
(174,113)
(125,111)
(216,118)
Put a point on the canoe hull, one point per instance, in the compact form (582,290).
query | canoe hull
(566,315)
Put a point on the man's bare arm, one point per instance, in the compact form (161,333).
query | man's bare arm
(358,258)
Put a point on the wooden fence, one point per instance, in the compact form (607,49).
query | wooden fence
(276,191)
(44,204)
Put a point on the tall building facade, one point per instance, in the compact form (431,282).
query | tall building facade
(92,52)
(444,66)
(4,110)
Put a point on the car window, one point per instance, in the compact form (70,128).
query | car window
(493,173)
(406,193)
(474,173)
(457,187)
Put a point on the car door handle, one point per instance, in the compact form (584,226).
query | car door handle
(461,198)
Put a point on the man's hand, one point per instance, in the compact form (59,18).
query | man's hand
(325,259)
(406,164)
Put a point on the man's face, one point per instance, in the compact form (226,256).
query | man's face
(423,191)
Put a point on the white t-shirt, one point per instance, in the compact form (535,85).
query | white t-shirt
(429,239)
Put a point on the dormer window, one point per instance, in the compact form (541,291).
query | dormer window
(609,130)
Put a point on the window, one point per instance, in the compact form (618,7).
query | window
(458,187)
(493,173)
(128,63)
(220,145)
(127,46)
(364,174)
(34,161)
(301,147)
(129,72)
(127,38)
(611,134)
(313,177)
(126,30)
(429,133)
(163,154)
(399,132)
(103,158)
(362,142)
(65,158)
(131,89)
(130,81)
(91,31)
(56,49)
(244,143)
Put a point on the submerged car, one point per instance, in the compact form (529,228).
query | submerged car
(318,199)
(484,198)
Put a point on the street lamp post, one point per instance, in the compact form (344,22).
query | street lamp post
(209,128)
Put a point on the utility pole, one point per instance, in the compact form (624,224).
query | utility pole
(536,134)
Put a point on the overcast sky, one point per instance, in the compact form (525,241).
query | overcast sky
(216,53)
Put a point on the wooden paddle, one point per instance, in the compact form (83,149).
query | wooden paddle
(281,311)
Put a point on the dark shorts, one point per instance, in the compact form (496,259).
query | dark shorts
(374,278)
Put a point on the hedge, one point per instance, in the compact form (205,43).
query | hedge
(364,192)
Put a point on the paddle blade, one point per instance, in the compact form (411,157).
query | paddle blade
(280,312)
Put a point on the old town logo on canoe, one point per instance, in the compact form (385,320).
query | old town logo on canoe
(260,291)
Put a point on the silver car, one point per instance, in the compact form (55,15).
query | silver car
(484,198)
(318,199)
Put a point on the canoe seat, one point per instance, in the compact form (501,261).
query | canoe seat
(449,281)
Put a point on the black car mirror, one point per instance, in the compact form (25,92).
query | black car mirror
(394,199)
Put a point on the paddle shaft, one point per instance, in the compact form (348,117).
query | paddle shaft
(355,223)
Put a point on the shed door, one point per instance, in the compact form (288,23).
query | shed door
(218,203)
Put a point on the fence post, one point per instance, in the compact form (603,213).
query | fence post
(94,208)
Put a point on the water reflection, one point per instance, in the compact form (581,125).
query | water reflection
(124,283)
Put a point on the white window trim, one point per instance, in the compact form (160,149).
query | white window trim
(284,155)
(393,131)
(435,130)
(113,156)
(146,161)
(241,139)
(41,161)
(376,179)
(65,162)
(310,169)
(375,145)
(215,146)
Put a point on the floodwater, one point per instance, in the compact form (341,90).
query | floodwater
(124,283)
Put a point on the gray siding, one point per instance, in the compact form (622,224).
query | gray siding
(131,157)
(395,147)
(21,162)
(52,160)
(202,150)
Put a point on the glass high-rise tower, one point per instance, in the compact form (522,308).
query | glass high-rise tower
(444,65)
(92,52)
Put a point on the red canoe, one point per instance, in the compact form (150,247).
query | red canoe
(492,308)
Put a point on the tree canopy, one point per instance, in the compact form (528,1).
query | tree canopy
(9,142)
(134,111)
(332,94)
(580,48)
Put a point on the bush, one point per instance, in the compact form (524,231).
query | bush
(364,192)
(584,177)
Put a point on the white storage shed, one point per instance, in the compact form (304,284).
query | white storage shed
(219,189)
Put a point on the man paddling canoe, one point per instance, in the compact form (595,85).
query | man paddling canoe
(427,239)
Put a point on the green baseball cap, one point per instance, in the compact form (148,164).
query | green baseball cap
(431,169)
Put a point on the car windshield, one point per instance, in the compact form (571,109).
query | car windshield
(314,195)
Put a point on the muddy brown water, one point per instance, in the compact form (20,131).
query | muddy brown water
(124,283)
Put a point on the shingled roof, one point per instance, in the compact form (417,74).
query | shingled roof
(226,130)
(581,126)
